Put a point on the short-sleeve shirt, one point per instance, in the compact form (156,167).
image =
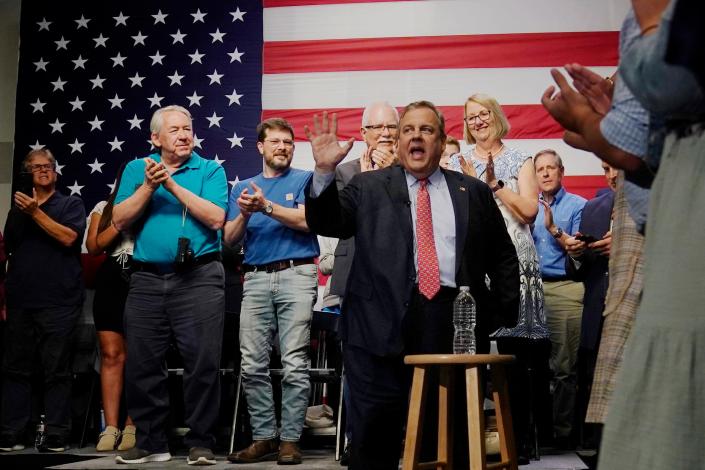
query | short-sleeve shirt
(163,222)
(567,211)
(266,239)
(126,245)
(41,271)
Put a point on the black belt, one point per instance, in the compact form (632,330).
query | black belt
(162,269)
(276,265)
(555,278)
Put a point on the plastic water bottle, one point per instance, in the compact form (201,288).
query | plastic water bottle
(464,312)
(39,438)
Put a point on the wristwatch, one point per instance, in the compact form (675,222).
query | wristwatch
(498,186)
(268,208)
(558,234)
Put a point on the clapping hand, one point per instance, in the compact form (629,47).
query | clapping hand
(154,173)
(251,203)
(547,215)
(592,86)
(327,152)
(568,107)
(490,177)
(467,167)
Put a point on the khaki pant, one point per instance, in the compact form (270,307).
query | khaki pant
(563,305)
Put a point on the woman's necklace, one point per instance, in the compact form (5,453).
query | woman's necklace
(486,157)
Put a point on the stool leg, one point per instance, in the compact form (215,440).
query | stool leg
(476,418)
(445,424)
(414,423)
(500,395)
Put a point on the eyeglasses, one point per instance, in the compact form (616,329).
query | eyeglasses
(37,167)
(483,116)
(379,128)
(277,142)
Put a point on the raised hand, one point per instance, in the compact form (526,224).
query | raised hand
(25,203)
(547,215)
(327,152)
(596,89)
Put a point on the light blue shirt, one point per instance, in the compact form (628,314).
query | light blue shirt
(443,217)
(157,238)
(567,211)
(442,212)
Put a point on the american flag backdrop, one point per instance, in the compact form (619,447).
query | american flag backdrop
(91,74)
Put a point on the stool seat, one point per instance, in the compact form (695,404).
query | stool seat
(452,359)
(473,365)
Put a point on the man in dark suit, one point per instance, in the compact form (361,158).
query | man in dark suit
(588,261)
(400,293)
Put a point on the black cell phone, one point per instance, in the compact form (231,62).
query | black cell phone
(586,238)
(26,184)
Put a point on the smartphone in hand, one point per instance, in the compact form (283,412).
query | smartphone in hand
(26,184)
(586,238)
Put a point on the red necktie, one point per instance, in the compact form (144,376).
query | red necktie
(429,274)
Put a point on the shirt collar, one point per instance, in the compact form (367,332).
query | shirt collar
(194,161)
(558,196)
(435,179)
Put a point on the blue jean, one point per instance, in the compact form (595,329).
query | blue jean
(280,301)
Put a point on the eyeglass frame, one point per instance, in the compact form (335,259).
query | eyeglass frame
(471,119)
(379,128)
(277,142)
(37,167)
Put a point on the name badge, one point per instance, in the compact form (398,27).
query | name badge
(290,196)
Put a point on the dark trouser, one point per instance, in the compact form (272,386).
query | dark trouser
(379,390)
(47,331)
(190,305)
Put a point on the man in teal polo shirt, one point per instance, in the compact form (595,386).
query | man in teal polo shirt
(174,201)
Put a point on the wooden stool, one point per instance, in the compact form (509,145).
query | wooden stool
(476,417)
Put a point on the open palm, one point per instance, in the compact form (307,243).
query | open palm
(327,151)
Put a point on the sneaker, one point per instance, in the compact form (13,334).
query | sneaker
(107,439)
(128,439)
(258,451)
(54,443)
(200,456)
(9,443)
(289,453)
(137,455)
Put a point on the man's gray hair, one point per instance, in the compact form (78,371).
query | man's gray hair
(377,104)
(155,125)
(559,160)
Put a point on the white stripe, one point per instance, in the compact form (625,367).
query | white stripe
(576,162)
(400,87)
(441,18)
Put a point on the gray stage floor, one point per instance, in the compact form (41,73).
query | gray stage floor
(314,459)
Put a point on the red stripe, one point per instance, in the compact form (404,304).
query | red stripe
(296,3)
(528,121)
(585,186)
(442,52)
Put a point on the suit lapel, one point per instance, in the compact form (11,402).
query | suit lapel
(459,195)
(399,194)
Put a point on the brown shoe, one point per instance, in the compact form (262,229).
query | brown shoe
(258,451)
(289,453)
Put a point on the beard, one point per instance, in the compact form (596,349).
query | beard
(275,163)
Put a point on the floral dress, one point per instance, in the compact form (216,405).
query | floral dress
(532,321)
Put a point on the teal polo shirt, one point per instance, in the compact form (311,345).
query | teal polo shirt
(158,231)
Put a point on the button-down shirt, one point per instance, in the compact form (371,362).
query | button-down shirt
(443,216)
(567,210)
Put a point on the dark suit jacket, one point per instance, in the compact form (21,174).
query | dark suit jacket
(345,250)
(375,208)
(593,271)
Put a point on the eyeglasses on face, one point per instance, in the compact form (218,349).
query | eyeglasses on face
(483,116)
(288,143)
(379,128)
(37,167)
